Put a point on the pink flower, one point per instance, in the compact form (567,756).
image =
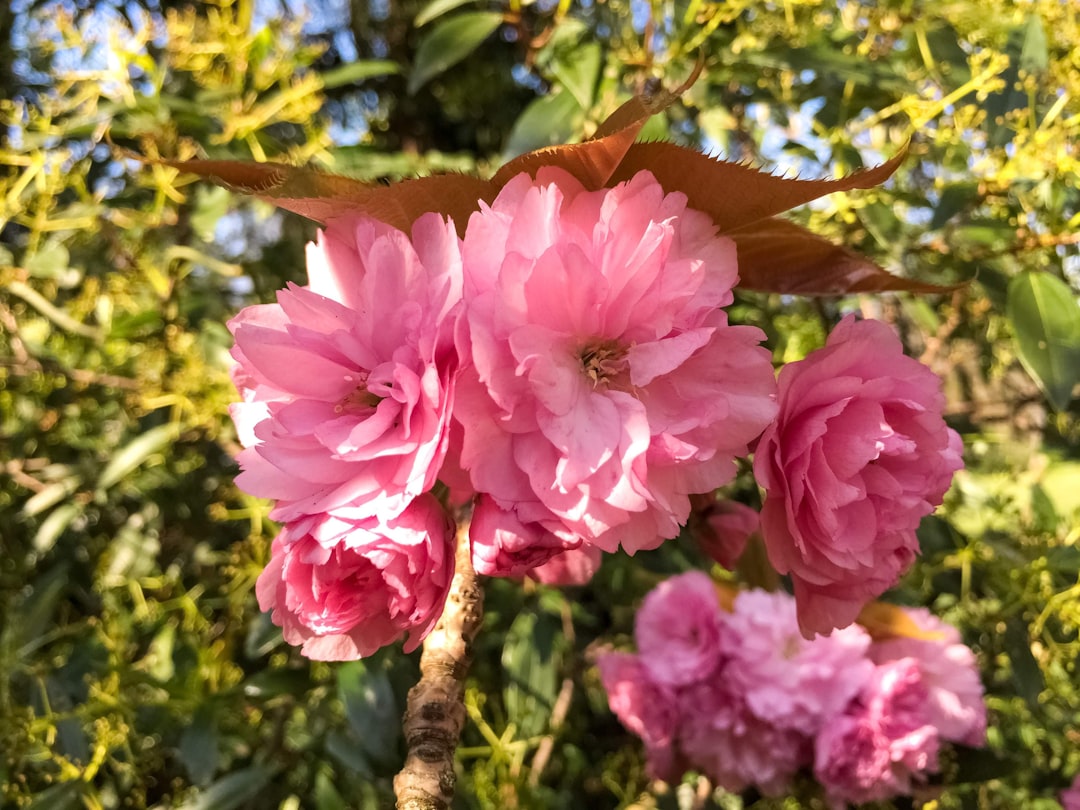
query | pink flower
(950,673)
(575,566)
(645,708)
(724,530)
(604,382)
(505,546)
(722,737)
(347,384)
(787,680)
(345,588)
(858,454)
(1070,798)
(883,743)
(679,630)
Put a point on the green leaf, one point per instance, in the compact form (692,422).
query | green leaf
(1027,676)
(326,795)
(211,203)
(136,452)
(49,496)
(233,790)
(1034,55)
(954,199)
(530,667)
(547,121)
(577,69)
(199,746)
(358,71)
(36,611)
(449,42)
(54,525)
(53,262)
(371,709)
(437,8)
(1046,320)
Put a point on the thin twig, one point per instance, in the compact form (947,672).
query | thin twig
(435,714)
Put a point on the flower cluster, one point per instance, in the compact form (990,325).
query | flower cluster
(745,698)
(1070,797)
(568,367)
(567,363)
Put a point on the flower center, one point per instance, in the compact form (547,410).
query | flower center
(602,361)
(359,398)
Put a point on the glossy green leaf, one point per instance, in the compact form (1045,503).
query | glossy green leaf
(547,121)
(449,42)
(371,709)
(232,791)
(530,667)
(436,9)
(136,452)
(1045,318)
(1027,676)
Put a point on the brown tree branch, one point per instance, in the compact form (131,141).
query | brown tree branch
(435,714)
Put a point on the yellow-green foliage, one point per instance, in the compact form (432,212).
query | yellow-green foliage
(135,669)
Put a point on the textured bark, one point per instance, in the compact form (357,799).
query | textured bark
(435,713)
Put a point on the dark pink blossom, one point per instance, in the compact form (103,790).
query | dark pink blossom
(883,744)
(858,455)
(344,588)
(785,679)
(1070,797)
(679,630)
(951,675)
(644,707)
(603,382)
(724,530)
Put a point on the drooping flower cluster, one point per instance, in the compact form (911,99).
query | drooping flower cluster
(746,699)
(567,363)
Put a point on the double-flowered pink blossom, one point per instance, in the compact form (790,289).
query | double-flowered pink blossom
(950,673)
(724,529)
(883,744)
(348,383)
(858,455)
(743,697)
(601,383)
(342,588)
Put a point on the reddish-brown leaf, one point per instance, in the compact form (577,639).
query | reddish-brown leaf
(327,197)
(735,195)
(593,161)
(884,621)
(776,255)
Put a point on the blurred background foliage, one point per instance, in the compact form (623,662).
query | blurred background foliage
(135,668)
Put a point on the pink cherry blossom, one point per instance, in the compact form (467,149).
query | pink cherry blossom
(724,530)
(644,707)
(603,382)
(729,743)
(883,744)
(950,673)
(787,680)
(679,630)
(504,545)
(575,566)
(858,455)
(1070,797)
(344,588)
(347,383)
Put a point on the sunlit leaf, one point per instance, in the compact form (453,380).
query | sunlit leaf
(136,452)
(547,120)
(449,42)
(776,255)
(577,69)
(436,9)
(735,195)
(353,72)
(883,621)
(1045,317)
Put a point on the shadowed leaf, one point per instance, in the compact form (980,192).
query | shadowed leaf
(776,255)
(735,195)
